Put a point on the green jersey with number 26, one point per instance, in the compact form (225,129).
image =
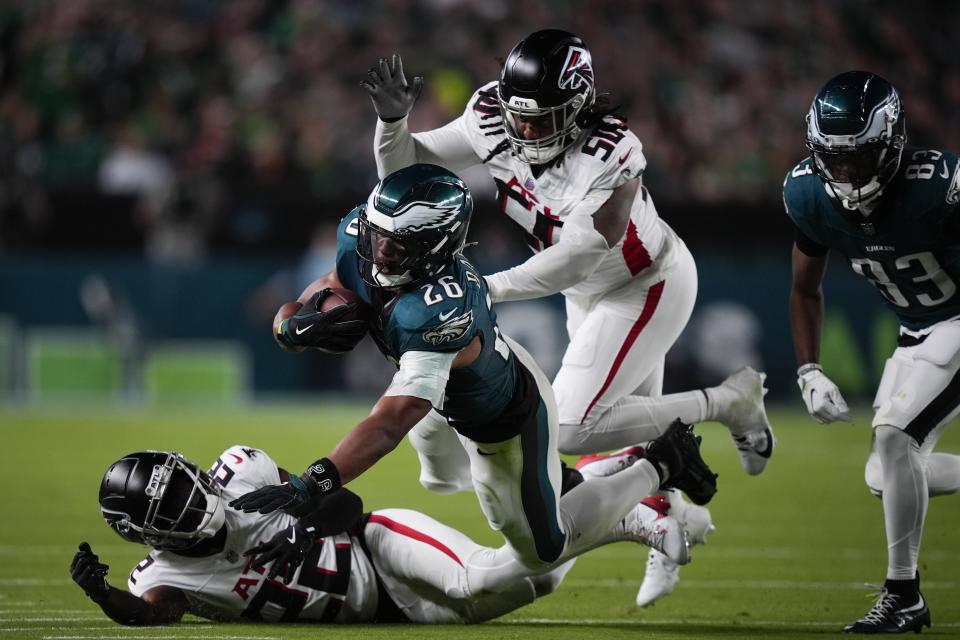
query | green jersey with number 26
(444,313)
(908,248)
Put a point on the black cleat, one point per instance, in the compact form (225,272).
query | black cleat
(889,615)
(679,449)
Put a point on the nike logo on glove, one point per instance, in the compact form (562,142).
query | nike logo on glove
(293,537)
(298,330)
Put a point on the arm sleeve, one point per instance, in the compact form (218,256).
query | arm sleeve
(577,255)
(807,245)
(333,513)
(449,146)
(422,374)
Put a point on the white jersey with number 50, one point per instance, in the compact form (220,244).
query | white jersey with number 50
(336,582)
(563,196)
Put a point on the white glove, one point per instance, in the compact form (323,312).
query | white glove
(392,95)
(821,395)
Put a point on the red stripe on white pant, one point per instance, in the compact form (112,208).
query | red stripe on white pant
(404,530)
(653,299)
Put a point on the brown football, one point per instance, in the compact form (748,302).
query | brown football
(338,297)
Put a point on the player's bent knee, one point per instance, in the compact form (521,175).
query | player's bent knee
(891,442)
(873,475)
(573,439)
(546,583)
(443,487)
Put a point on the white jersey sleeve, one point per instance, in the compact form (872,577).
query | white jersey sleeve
(240,469)
(578,253)
(457,145)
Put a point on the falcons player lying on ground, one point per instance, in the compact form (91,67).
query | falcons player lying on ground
(332,563)
(568,172)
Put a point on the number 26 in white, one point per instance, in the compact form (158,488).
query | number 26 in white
(450,287)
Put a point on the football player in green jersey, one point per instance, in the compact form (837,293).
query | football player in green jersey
(431,315)
(892,212)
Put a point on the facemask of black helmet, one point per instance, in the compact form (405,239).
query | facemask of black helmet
(412,225)
(546,82)
(856,135)
(162,500)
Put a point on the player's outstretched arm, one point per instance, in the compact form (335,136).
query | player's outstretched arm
(376,436)
(160,605)
(583,245)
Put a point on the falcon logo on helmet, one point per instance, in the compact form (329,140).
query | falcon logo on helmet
(577,70)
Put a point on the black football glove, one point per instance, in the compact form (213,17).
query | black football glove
(287,496)
(90,574)
(286,550)
(323,330)
(393,97)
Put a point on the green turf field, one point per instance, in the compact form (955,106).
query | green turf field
(792,550)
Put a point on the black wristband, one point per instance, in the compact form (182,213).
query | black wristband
(325,474)
(391,120)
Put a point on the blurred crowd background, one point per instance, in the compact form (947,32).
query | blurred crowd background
(175,132)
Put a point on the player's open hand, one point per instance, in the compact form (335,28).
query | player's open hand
(393,97)
(90,574)
(287,496)
(286,550)
(821,395)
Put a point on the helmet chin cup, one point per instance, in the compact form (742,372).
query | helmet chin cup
(215,518)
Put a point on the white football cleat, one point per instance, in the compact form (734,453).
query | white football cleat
(601,465)
(648,524)
(755,449)
(662,573)
(739,405)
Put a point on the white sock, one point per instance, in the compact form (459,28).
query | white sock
(631,420)
(904,498)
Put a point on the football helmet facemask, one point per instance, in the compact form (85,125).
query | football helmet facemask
(160,499)
(413,223)
(547,81)
(856,132)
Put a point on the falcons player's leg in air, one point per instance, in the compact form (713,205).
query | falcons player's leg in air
(569,174)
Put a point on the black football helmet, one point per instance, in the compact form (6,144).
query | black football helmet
(856,132)
(160,499)
(548,79)
(413,223)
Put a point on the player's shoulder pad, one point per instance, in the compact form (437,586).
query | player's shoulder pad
(346,261)
(241,468)
(349,227)
(798,189)
(616,148)
(933,176)
(485,103)
(437,316)
(483,119)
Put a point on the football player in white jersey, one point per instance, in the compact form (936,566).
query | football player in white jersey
(331,563)
(568,173)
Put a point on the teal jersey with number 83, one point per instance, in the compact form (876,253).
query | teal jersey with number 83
(908,248)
